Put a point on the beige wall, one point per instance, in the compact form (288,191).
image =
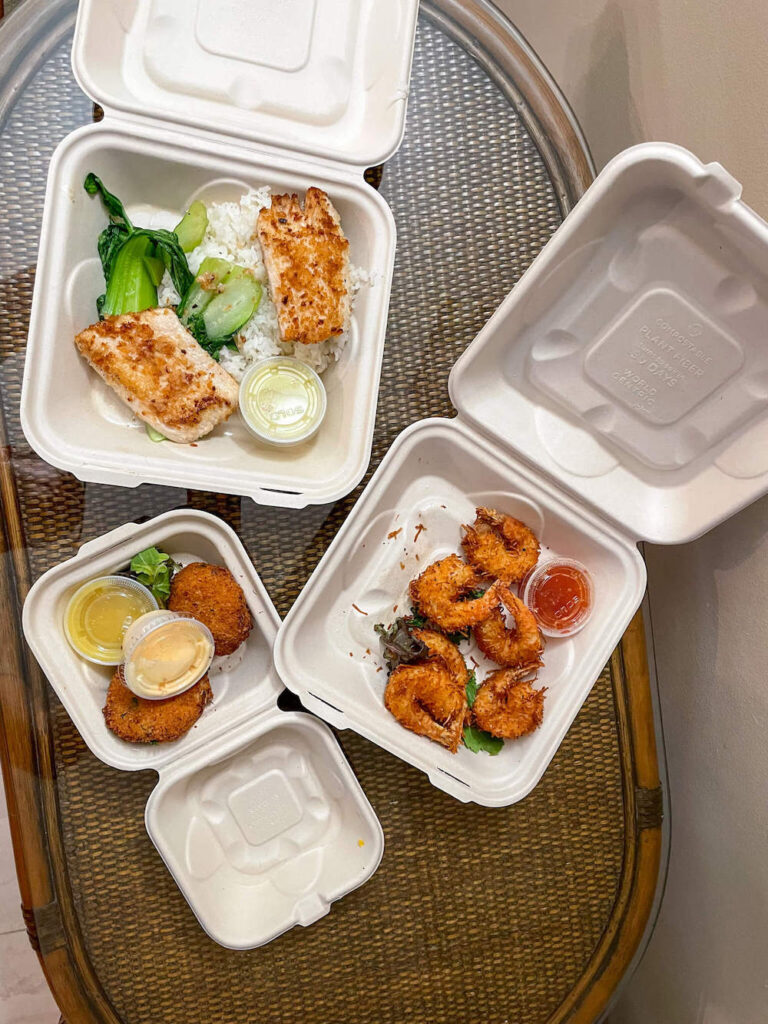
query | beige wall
(693,72)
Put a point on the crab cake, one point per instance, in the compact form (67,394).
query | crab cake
(213,596)
(136,720)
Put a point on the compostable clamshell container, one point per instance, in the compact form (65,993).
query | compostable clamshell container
(618,394)
(256,813)
(204,101)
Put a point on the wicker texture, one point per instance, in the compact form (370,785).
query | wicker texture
(474,913)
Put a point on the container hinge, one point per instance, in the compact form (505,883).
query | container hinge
(44,929)
(649,805)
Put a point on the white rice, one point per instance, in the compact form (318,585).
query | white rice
(231,235)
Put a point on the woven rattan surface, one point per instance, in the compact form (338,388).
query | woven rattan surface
(474,913)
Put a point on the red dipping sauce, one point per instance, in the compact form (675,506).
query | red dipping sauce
(560,595)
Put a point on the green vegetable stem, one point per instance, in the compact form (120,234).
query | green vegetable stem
(130,287)
(220,300)
(190,230)
(203,287)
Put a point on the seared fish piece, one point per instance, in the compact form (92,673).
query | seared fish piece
(307,259)
(155,365)
(137,720)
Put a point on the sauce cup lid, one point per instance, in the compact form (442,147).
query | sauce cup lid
(147,624)
(282,401)
(129,584)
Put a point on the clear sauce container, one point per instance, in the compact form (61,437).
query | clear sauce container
(560,594)
(99,614)
(165,654)
(282,401)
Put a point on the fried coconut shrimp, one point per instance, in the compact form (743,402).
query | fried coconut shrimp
(511,648)
(426,699)
(507,705)
(440,594)
(441,649)
(212,595)
(136,720)
(500,546)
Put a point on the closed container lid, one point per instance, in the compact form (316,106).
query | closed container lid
(327,77)
(630,362)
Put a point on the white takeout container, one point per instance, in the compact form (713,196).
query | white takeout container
(619,393)
(203,101)
(257,814)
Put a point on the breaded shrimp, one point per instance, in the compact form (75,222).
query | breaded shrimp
(212,595)
(507,705)
(439,590)
(441,649)
(500,546)
(425,699)
(511,648)
(136,720)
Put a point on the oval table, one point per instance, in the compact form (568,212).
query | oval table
(529,914)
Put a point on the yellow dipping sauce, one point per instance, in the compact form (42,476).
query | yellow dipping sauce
(99,614)
(165,654)
(282,400)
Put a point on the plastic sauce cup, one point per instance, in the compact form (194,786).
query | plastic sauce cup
(165,654)
(282,401)
(100,612)
(560,593)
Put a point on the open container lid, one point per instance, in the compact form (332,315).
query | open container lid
(631,361)
(326,77)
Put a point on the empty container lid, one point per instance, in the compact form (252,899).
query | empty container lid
(328,77)
(631,361)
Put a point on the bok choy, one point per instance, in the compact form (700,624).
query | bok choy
(190,230)
(220,300)
(134,259)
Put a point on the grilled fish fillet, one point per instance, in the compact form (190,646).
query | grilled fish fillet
(307,259)
(155,365)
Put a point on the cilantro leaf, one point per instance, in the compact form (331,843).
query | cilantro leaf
(478,740)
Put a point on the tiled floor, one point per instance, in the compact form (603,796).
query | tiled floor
(24,995)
